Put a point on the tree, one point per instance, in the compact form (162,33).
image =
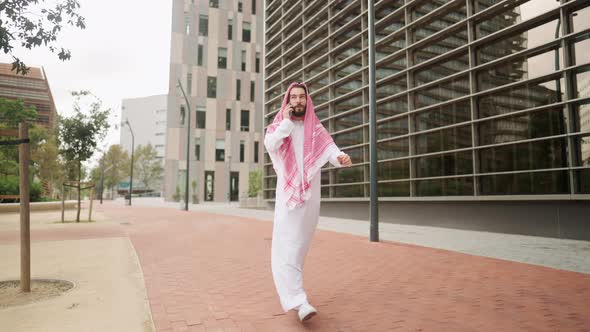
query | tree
(116,165)
(13,112)
(147,167)
(94,175)
(33,25)
(8,166)
(254,183)
(80,133)
(47,164)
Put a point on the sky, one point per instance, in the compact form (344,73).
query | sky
(124,52)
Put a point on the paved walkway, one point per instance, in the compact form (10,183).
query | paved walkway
(571,255)
(208,271)
(109,292)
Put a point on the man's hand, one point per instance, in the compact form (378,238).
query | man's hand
(344,160)
(287,112)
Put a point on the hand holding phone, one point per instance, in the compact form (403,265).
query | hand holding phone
(287,112)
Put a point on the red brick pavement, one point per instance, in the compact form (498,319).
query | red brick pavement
(207,272)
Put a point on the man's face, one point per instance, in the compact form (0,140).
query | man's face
(298,99)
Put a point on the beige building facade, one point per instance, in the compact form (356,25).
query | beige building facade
(216,49)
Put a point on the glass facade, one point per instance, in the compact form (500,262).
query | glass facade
(475,98)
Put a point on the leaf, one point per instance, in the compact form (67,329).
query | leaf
(22,25)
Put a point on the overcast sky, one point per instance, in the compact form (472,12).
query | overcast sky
(123,53)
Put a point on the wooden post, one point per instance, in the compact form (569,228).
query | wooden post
(25,233)
(63,199)
(91,200)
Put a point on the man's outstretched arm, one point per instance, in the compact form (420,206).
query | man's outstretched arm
(338,158)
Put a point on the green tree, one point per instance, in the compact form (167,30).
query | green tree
(116,165)
(13,112)
(80,133)
(47,164)
(8,165)
(94,175)
(147,167)
(31,24)
(254,183)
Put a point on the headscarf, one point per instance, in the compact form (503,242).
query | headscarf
(316,140)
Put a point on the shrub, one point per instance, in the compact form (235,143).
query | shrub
(9,185)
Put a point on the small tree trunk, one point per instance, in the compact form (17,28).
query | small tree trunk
(79,191)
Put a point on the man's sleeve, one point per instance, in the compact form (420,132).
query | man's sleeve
(334,152)
(274,140)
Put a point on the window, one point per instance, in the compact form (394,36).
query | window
(242,151)
(189,83)
(252,91)
(222,58)
(182,115)
(240,6)
(200,55)
(220,150)
(214,3)
(245,121)
(253,7)
(187,24)
(228,119)
(246,32)
(197,148)
(211,87)
(203,25)
(230,28)
(256,147)
(243,60)
(257,62)
(238,89)
(201,117)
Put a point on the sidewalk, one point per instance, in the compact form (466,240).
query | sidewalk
(109,291)
(571,255)
(211,272)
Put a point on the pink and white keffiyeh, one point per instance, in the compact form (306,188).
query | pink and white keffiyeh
(317,141)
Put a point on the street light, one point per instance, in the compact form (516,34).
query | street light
(188,144)
(132,148)
(229,192)
(374,194)
(101,176)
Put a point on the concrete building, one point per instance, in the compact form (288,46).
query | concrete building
(147,116)
(216,56)
(478,121)
(33,89)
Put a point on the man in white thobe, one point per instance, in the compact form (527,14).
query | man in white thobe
(299,146)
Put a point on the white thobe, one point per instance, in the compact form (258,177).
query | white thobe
(293,229)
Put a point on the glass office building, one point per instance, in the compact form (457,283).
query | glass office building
(477,100)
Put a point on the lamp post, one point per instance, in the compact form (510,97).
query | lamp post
(229,178)
(132,148)
(188,144)
(101,176)
(374,208)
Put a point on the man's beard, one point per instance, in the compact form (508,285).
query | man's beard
(300,113)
